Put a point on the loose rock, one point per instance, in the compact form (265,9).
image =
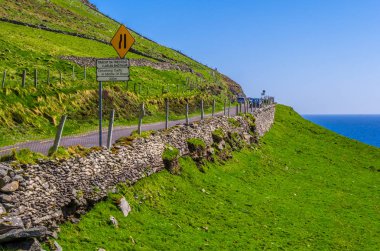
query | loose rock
(114,221)
(11,187)
(21,234)
(124,206)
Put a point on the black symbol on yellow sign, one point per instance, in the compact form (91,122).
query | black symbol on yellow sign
(122,41)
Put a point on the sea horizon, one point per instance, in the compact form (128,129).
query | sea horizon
(362,127)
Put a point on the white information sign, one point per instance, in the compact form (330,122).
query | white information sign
(109,70)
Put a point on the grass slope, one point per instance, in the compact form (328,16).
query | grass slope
(303,188)
(33,113)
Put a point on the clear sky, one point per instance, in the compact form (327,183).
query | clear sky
(319,56)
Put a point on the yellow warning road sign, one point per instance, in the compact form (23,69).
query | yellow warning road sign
(122,41)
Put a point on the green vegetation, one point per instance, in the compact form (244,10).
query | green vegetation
(170,157)
(23,156)
(305,188)
(170,153)
(218,135)
(234,122)
(196,145)
(32,112)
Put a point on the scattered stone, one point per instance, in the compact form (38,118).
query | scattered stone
(53,234)
(57,246)
(9,223)
(114,221)
(10,187)
(2,209)
(3,172)
(18,178)
(75,220)
(27,245)
(5,180)
(6,198)
(22,234)
(124,206)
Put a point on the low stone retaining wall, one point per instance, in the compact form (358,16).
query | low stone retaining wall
(50,192)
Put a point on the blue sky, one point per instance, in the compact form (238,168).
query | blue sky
(319,56)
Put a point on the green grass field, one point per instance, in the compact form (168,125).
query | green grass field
(303,188)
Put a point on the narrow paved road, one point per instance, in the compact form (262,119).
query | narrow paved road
(92,139)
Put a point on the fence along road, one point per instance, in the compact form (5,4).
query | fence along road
(92,139)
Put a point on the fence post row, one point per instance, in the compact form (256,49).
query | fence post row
(167,114)
(110,129)
(4,76)
(142,113)
(58,135)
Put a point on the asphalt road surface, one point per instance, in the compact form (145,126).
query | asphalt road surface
(92,139)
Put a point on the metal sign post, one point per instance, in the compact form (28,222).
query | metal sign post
(100,113)
(112,70)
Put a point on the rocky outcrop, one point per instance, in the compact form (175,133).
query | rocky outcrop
(51,192)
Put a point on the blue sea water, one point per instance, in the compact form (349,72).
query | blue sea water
(364,128)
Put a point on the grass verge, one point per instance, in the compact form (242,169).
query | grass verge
(304,188)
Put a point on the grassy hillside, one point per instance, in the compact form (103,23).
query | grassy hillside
(304,188)
(33,112)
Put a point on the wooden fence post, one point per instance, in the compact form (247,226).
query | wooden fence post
(213,108)
(110,129)
(58,135)
(237,109)
(23,78)
(73,72)
(141,115)
(229,108)
(167,114)
(225,106)
(85,73)
(202,111)
(4,77)
(187,112)
(35,78)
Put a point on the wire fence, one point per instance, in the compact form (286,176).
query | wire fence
(172,111)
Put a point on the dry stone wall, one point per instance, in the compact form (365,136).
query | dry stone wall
(43,195)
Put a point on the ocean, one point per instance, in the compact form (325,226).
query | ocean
(364,128)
